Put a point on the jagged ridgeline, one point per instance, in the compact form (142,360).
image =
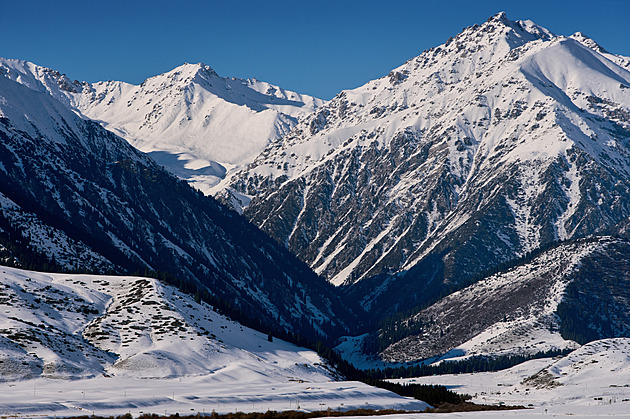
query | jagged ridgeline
(84,199)
(197,124)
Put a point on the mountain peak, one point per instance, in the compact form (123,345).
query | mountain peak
(499,17)
(198,68)
(497,36)
(184,74)
(496,95)
(525,30)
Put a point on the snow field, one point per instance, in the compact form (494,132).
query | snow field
(591,382)
(83,344)
(189,395)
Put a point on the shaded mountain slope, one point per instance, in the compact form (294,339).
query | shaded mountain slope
(90,201)
(573,293)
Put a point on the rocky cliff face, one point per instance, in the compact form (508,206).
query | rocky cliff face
(505,138)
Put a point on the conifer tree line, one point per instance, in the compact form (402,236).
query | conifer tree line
(470,365)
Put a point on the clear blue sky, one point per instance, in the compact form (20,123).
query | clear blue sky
(317,47)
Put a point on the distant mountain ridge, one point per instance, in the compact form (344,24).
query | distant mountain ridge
(199,125)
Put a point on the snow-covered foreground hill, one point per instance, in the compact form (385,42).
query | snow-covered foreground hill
(78,326)
(592,381)
(76,344)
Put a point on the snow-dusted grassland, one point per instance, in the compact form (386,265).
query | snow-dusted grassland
(77,344)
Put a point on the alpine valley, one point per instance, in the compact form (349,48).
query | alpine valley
(470,209)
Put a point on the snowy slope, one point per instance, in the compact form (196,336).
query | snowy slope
(112,331)
(195,123)
(71,326)
(575,291)
(590,382)
(86,199)
(503,139)
(590,43)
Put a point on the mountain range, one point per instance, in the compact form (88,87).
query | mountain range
(197,124)
(474,201)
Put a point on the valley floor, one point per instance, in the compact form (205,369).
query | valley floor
(201,395)
(574,386)
(189,395)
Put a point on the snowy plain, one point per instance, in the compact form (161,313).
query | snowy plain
(578,396)
(189,395)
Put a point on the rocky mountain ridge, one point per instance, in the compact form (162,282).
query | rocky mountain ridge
(504,139)
(574,292)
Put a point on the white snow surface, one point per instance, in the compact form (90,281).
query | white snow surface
(591,382)
(197,124)
(77,344)
(69,326)
(190,395)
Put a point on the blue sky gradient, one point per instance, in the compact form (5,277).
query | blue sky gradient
(314,47)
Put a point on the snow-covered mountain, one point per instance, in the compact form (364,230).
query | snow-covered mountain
(81,198)
(505,138)
(477,152)
(197,124)
(80,326)
(568,295)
